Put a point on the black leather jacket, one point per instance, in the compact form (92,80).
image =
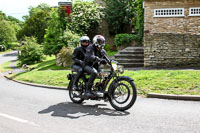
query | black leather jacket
(78,55)
(92,53)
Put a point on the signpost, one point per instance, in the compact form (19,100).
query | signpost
(66,6)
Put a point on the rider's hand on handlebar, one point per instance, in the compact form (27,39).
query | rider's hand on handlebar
(98,59)
(103,61)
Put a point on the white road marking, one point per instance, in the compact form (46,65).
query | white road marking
(18,119)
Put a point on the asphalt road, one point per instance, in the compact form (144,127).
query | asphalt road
(28,109)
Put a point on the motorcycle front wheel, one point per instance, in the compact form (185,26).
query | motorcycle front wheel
(123,94)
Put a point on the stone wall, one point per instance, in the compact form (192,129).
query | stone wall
(171,41)
(171,50)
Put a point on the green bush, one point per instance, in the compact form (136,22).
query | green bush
(31,52)
(110,47)
(126,39)
(69,39)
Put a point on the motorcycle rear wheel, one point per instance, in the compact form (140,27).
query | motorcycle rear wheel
(75,95)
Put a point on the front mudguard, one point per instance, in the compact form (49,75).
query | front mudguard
(113,84)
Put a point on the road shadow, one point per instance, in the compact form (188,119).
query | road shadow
(74,111)
(10,54)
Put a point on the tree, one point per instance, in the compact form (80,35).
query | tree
(2,16)
(85,17)
(56,27)
(16,21)
(119,14)
(57,35)
(36,22)
(7,32)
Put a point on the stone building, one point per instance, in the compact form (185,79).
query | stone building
(172,33)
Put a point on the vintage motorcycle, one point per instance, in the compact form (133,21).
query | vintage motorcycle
(121,92)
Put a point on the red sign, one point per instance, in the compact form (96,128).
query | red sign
(66,6)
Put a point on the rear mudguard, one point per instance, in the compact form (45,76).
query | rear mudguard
(114,83)
(70,78)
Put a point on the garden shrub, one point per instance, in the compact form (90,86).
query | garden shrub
(31,52)
(119,14)
(126,39)
(110,47)
(64,57)
(68,39)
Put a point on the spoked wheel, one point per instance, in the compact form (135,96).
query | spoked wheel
(75,94)
(123,95)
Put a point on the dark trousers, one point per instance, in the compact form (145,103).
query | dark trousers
(79,71)
(93,74)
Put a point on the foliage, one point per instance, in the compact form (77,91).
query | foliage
(7,32)
(139,19)
(53,39)
(126,39)
(9,26)
(108,47)
(69,39)
(35,23)
(15,23)
(12,45)
(2,16)
(111,53)
(119,13)
(85,17)
(31,52)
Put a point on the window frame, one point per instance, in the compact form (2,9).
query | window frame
(190,11)
(169,9)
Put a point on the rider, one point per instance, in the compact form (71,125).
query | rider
(94,54)
(78,58)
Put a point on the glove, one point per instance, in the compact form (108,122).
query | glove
(98,59)
(103,61)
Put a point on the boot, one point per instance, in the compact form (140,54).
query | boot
(75,83)
(88,92)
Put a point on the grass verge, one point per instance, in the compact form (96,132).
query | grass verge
(147,81)
(5,67)
(48,64)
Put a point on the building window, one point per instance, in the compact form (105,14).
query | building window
(169,12)
(195,11)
